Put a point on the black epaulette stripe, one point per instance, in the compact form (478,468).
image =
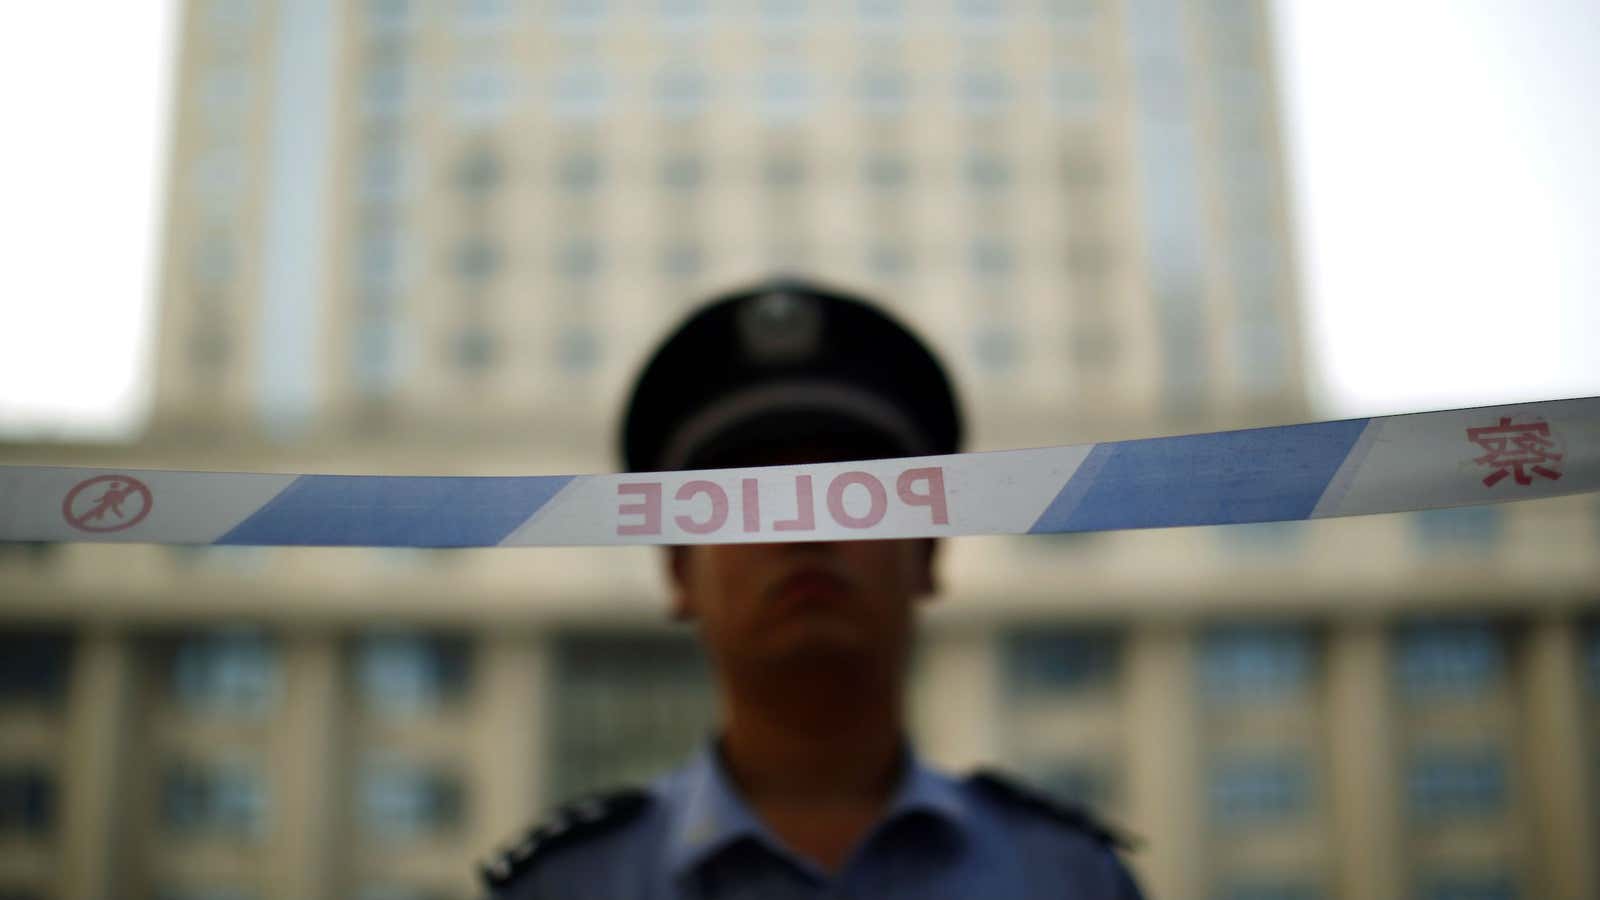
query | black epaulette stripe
(586,817)
(1007,789)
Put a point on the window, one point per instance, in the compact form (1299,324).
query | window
(682,259)
(683,172)
(480,171)
(1255,661)
(785,94)
(983,93)
(1445,658)
(578,259)
(1591,653)
(784,16)
(402,674)
(210,892)
(231,673)
(580,16)
(477,259)
(1240,86)
(398,892)
(1087,258)
(385,168)
(625,707)
(882,14)
(474,349)
(683,15)
(577,349)
(400,800)
(992,258)
(376,357)
(1455,783)
(1074,94)
(580,94)
(1468,887)
(33,552)
(886,173)
(213,260)
(1466,526)
(1259,889)
(988,172)
(1081,782)
(1259,356)
(482,93)
(384,93)
(682,92)
(1234,14)
(34,667)
(1082,169)
(224,97)
(1267,539)
(781,172)
(27,800)
(240,559)
(389,15)
(1261,790)
(216,177)
(214,800)
(789,252)
(983,14)
(884,92)
(1072,15)
(888,258)
(579,172)
(995,347)
(380,255)
(209,344)
(482,15)
(1050,661)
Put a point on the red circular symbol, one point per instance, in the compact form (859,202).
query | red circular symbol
(107,503)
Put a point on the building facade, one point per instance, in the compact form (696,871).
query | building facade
(419,236)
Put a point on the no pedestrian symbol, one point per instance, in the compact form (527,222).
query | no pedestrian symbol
(107,503)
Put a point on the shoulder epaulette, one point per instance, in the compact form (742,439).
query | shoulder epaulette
(1012,792)
(571,822)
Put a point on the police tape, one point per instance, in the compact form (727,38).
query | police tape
(1344,468)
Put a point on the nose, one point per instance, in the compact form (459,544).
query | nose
(811,548)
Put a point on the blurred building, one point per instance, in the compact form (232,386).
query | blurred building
(439,237)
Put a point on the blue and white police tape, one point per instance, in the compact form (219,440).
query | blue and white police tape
(1352,467)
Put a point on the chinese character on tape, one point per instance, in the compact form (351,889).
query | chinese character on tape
(1516,449)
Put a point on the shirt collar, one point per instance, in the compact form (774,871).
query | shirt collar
(712,815)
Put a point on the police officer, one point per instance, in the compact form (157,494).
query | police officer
(810,788)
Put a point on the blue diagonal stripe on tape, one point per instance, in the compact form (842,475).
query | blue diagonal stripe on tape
(385,511)
(1260,475)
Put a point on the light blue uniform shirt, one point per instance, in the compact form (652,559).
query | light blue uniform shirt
(694,838)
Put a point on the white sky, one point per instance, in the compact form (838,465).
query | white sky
(1444,166)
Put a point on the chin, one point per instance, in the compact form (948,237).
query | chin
(830,645)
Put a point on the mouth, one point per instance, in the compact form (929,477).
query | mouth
(811,587)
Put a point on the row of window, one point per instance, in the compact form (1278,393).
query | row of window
(1442,784)
(484,92)
(385,165)
(473,18)
(1255,663)
(392,800)
(237,673)
(615,731)
(229,892)
(1467,885)
(476,260)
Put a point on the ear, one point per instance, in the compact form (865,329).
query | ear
(676,563)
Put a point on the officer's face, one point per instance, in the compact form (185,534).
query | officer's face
(803,603)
